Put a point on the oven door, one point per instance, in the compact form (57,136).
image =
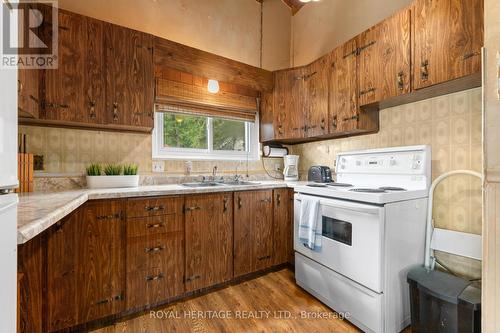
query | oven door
(352,240)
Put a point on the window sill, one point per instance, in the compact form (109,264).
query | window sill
(200,157)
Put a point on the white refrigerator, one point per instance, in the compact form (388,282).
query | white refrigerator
(8,200)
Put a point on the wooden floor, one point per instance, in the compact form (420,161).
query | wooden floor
(241,304)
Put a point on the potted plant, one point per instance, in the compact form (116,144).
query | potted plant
(110,176)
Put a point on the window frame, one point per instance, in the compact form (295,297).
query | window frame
(160,152)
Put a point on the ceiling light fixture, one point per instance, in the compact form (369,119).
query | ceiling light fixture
(213,86)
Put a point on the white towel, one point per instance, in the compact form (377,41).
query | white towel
(310,223)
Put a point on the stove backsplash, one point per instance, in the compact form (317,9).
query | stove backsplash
(452,125)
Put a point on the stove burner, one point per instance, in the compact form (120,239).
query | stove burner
(316,185)
(339,185)
(390,188)
(368,190)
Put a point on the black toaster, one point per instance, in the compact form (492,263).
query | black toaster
(320,174)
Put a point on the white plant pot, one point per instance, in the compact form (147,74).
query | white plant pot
(112,181)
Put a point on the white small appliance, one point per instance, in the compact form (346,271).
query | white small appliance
(373,230)
(8,181)
(291,170)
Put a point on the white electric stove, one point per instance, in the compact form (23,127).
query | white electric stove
(373,231)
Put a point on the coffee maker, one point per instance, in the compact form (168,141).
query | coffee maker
(291,171)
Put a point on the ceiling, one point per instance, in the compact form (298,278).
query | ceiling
(294,5)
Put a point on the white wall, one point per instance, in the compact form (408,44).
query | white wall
(321,26)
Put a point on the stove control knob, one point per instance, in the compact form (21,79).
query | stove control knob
(392,161)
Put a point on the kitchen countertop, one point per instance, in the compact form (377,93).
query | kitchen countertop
(38,211)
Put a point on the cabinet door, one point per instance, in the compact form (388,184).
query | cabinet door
(64,98)
(252,231)
(290,103)
(62,273)
(344,114)
(317,97)
(448,36)
(129,77)
(102,260)
(28,93)
(385,48)
(282,226)
(266,117)
(209,240)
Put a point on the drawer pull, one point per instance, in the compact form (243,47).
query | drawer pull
(102,301)
(278,199)
(154,208)
(155,225)
(264,257)
(225,204)
(154,277)
(192,278)
(110,217)
(267,200)
(154,249)
(189,209)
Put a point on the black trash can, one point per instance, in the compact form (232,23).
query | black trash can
(441,302)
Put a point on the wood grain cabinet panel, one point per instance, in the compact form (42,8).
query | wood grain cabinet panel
(266,117)
(101,260)
(384,59)
(448,36)
(282,226)
(142,207)
(209,240)
(317,97)
(28,95)
(154,225)
(129,77)
(253,228)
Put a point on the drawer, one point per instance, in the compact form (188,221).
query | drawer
(161,251)
(154,225)
(142,207)
(152,286)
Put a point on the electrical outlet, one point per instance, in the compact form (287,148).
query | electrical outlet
(158,166)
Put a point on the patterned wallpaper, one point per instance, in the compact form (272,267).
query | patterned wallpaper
(452,125)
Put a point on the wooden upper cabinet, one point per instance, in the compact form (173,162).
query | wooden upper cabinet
(266,117)
(384,59)
(317,97)
(253,219)
(28,101)
(290,106)
(448,36)
(129,77)
(344,113)
(209,240)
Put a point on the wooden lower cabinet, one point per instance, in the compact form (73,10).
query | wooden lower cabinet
(253,224)
(283,226)
(209,240)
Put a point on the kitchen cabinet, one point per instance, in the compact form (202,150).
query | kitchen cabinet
(155,250)
(209,240)
(282,226)
(448,36)
(28,101)
(317,97)
(101,260)
(253,231)
(266,117)
(129,77)
(290,105)
(385,48)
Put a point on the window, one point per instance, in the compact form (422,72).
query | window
(200,137)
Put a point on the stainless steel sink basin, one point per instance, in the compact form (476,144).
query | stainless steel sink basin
(238,183)
(202,184)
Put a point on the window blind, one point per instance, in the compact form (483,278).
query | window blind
(208,111)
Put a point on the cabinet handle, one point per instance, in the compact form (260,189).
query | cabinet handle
(154,277)
(239,203)
(154,249)
(155,225)
(266,200)
(225,204)
(189,209)
(92,109)
(424,70)
(154,208)
(359,49)
(102,301)
(19,86)
(115,111)
(116,216)
(280,129)
(264,257)
(334,122)
(470,55)
(278,199)
(55,106)
(400,80)
(192,278)
(322,125)
(34,98)
(356,117)
(119,297)
(367,91)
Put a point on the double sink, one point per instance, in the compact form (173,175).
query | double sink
(219,183)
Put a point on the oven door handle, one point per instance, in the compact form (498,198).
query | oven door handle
(366,210)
